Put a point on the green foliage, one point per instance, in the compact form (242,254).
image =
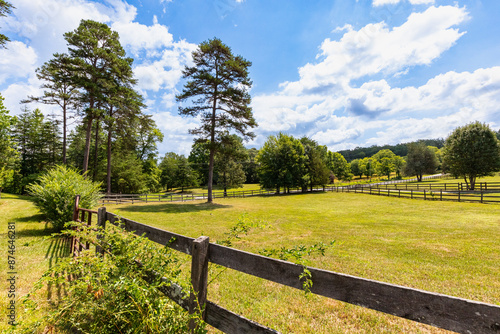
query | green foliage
(5,8)
(297,255)
(116,293)
(184,176)
(228,163)
(316,168)
(38,142)
(339,166)
(421,160)
(244,225)
(356,168)
(282,162)
(199,159)
(54,194)
(217,89)
(101,73)
(399,149)
(472,151)
(250,166)
(8,154)
(128,176)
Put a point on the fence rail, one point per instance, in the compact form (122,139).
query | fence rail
(447,312)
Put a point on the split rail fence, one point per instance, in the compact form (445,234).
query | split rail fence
(442,311)
(484,192)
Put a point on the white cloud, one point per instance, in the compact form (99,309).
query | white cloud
(376,48)
(137,36)
(174,128)
(17,61)
(165,72)
(328,106)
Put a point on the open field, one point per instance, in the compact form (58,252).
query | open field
(449,248)
(444,247)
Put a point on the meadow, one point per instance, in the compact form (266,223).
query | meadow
(444,247)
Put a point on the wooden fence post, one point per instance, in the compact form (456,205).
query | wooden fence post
(75,208)
(75,218)
(101,223)
(199,278)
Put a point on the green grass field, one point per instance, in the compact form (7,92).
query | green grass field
(445,247)
(449,248)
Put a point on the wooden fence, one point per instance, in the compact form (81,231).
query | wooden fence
(485,193)
(451,313)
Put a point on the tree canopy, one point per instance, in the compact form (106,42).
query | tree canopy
(472,151)
(420,160)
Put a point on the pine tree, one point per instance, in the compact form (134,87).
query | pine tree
(58,90)
(217,87)
(98,66)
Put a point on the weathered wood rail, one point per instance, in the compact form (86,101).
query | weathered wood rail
(442,311)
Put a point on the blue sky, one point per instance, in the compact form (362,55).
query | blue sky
(345,73)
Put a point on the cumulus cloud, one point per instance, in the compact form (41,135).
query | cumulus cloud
(174,129)
(338,109)
(17,61)
(376,48)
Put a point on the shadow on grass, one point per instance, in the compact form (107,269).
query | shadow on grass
(174,208)
(30,219)
(59,247)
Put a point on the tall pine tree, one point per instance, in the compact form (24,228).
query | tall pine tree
(217,87)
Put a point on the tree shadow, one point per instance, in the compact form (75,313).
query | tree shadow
(30,219)
(37,232)
(59,248)
(174,208)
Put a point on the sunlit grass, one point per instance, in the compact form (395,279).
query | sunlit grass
(34,254)
(444,247)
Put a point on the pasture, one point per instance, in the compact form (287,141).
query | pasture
(448,248)
(445,247)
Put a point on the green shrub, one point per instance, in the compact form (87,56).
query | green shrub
(110,293)
(55,192)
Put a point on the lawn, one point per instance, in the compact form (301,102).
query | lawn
(34,252)
(449,248)
(444,247)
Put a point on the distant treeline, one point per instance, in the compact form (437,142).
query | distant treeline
(399,149)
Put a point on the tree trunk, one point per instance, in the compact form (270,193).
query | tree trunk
(225,183)
(108,167)
(210,175)
(96,149)
(64,133)
(86,153)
